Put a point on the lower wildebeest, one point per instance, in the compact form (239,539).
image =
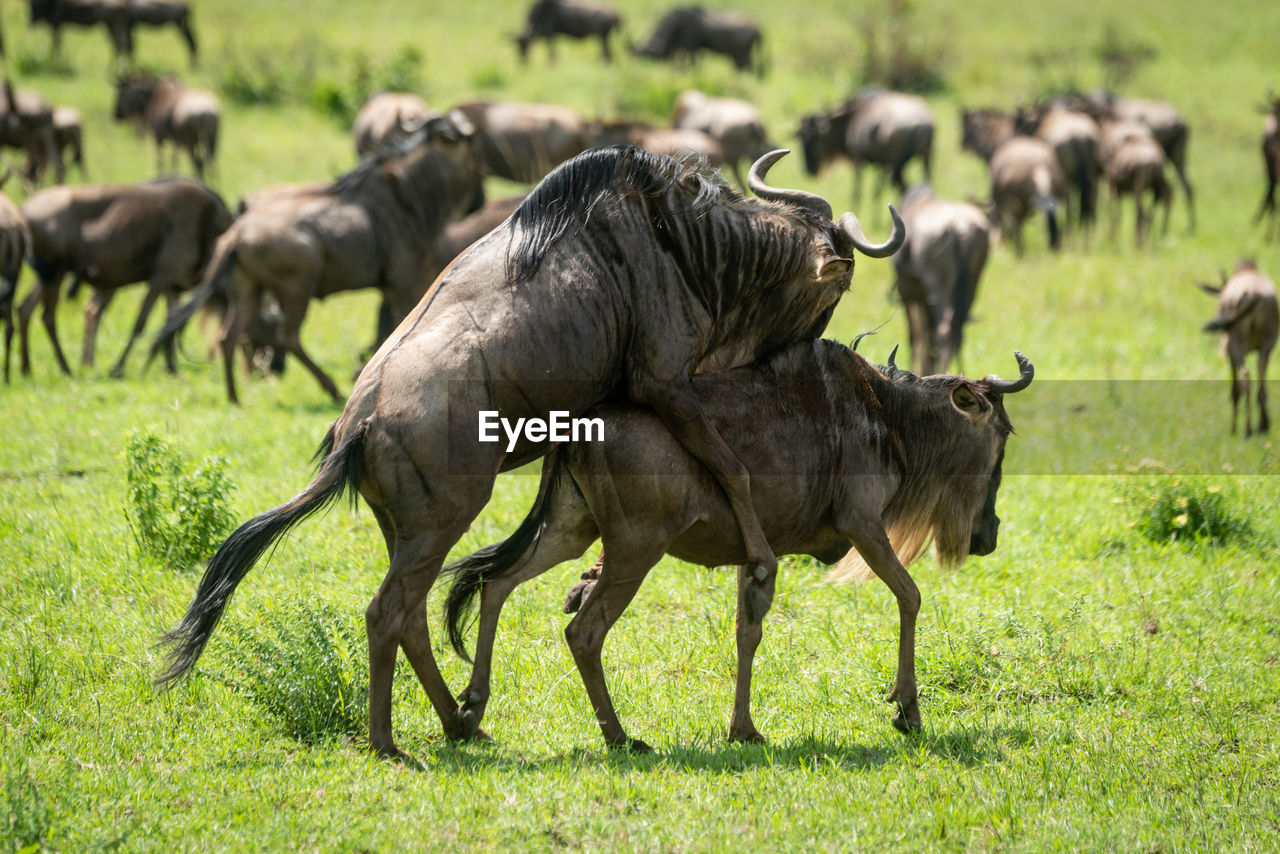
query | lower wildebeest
(387,118)
(187,118)
(938,269)
(372,228)
(619,277)
(733,123)
(849,457)
(1074,137)
(887,129)
(1249,321)
(113,235)
(550,18)
(1026,177)
(15,241)
(1135,167)
(686,31)
(26,124)
(1270,159)
(523,142)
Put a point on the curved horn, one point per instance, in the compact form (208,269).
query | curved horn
(853,231)
(1027,370)
(799,198)
(892,355)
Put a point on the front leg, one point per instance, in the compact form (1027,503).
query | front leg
(754,600)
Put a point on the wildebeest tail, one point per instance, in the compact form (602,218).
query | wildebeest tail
(495,560)
(213,284)
(1226,321)
(339,473)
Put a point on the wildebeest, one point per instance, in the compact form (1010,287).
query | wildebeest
(118,17)
(1074,137)
(26,124)
(621,275)
(686,31)
(1270,158)
(523,142)
(673,142)
(15,241)
(938,270)
(733,123)
(162,13)
(1135,167)
(983,130)
(113,235)
(843,457)
(372,228)
(550,18)
(1249,321)
(887,129)
(387,118)
(187,118)
(68,136)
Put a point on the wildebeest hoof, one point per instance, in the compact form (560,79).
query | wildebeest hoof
(746,736)
(577,596)
(116,373)
(631,745)
(907,718)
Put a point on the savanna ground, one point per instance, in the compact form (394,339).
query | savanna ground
(1088,686)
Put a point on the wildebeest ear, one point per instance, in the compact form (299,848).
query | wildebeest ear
(833,266)
(462,123)
(970,402)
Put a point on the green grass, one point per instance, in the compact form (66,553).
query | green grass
(1084,687)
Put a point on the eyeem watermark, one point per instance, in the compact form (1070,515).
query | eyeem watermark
(558,427)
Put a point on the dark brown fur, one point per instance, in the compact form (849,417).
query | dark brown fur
(15,241)
(550,18)
(187,118)
(523,142)
(683,33)
(1271,162)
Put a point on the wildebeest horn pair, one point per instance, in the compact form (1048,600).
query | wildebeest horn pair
(848,223)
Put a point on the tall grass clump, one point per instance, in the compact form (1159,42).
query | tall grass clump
(1174,510)
(307,667)
(25,816)
(177,517)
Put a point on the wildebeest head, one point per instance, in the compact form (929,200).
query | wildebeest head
(822,136)
(982,130)
(133,92)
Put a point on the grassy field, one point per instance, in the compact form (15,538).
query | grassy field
(1087,686)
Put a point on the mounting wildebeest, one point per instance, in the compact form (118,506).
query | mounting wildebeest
(888,129)
(26,124)
(375,227)
(1025,173)
(113,235)
(733,123)
(1270,159)
(621,275)
(685,31)
(15,241)
(850,458)
(1249,321)
(550,18)
(387,118)
(188,118)
(938,270)
(1074,137)
(523,142)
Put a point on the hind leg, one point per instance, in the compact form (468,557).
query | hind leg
(46,296)
(1264,422)
(754,600)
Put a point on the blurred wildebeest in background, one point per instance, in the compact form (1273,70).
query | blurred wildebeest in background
(1024,170)
(684,32)
(849,458)
(887,129)
(1074,136)
(672,142)
(26,124)
(1134,165)
(68,136)
(1270,158)
(1249,321)
(736,125)
(1166,123)
(984,129)
(620,276)
(113,235)
(161,13)
(374,227)
(387,118)
(523,142)
(550,18)
(938,270)
(117,17)
(15,242)
(188,118)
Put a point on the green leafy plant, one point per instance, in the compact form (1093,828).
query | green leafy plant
(1173,510)
(177,517)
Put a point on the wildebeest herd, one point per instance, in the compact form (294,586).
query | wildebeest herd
(633,284)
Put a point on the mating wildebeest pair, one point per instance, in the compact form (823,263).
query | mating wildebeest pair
(619,277)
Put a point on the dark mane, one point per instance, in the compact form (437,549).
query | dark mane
(563,201)
(371,163)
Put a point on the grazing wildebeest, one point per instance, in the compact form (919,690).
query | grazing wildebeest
(621,275)
(112,15)
(851,458)
(113,235)
(188,118)
(1166,123)
(684,32)
(68,136)
(161,13)
(733,123)
(375,227)
(26,124)
(938,269)
(550,18)
(523,142)
(887,129)
(1026,177)
(1270,159)
(387,118)
(15,241)
(1074,136)
(1249,321)
(1135,167)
